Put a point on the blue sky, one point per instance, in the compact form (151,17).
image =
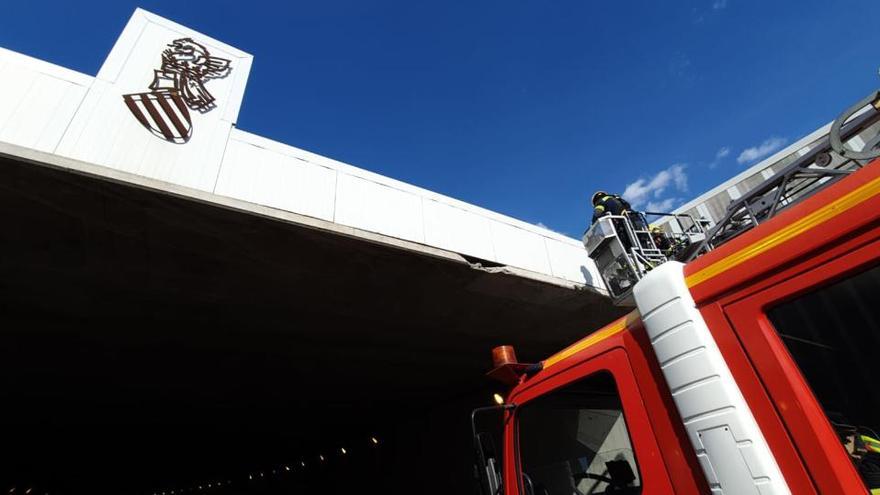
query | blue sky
(522,107)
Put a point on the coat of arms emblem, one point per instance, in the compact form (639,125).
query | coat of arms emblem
(178,87)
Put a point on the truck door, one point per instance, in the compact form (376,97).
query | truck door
(585,430)
(813,337)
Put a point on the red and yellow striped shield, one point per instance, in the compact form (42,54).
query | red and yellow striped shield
(162,112)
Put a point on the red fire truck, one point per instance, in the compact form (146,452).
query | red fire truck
(750,368)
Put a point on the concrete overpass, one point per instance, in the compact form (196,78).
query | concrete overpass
(176,314)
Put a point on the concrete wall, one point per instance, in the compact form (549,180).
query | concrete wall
(53,109)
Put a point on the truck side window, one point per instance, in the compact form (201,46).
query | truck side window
(833,334)
(574,440)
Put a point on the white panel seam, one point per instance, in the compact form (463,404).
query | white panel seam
(424,225)
(53,114)
(72,118)
(222,159)
(547,257)
(335,195)
(130,51)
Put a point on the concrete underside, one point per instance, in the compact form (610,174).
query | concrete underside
(152,341)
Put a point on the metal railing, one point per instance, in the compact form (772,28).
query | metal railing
(825,164)
(625,249)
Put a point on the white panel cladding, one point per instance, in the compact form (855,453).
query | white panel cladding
(368,205)
(459,230)
(731,448)
(270,173)
(734,193)
(38,100)
(273,178)
(106,133)
(118,140)
(703,210)
(570,261)
(520,247)
(50,108)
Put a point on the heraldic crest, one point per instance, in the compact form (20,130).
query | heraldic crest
(178,87)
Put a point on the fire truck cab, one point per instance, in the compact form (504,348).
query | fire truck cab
(752,369)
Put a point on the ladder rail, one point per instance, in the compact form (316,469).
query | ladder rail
(624,248)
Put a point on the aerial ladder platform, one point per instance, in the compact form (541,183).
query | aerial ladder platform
(625,249)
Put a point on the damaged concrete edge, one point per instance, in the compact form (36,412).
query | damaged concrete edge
(52,161)
(538,277)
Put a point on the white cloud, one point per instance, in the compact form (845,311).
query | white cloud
(720,155)
(681,67)
(719,4)
(762,150)
(663,206)
(651,189)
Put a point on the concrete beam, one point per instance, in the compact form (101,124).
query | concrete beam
(44,159)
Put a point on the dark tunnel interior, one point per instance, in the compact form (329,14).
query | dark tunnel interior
(151,343)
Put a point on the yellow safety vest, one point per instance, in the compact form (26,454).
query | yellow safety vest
(872,444)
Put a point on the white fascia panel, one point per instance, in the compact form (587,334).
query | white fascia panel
(573,264)
(457,230)
(270,178)
(46,68)
(38,101)
(352,170)
(367,205)
(520,248)
(103,130)
(61,116)
(105,133)
(34,111)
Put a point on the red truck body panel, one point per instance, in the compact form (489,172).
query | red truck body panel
(821,239)
(733,303)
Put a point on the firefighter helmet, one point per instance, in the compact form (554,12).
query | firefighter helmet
(597,196)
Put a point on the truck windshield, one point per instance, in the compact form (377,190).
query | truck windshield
(833,334)
(574,440)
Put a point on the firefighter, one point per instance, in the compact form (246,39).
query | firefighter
(612,204)
(608,204)
(864,451)
(661,240)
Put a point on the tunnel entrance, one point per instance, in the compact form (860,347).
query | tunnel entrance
(152,343)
